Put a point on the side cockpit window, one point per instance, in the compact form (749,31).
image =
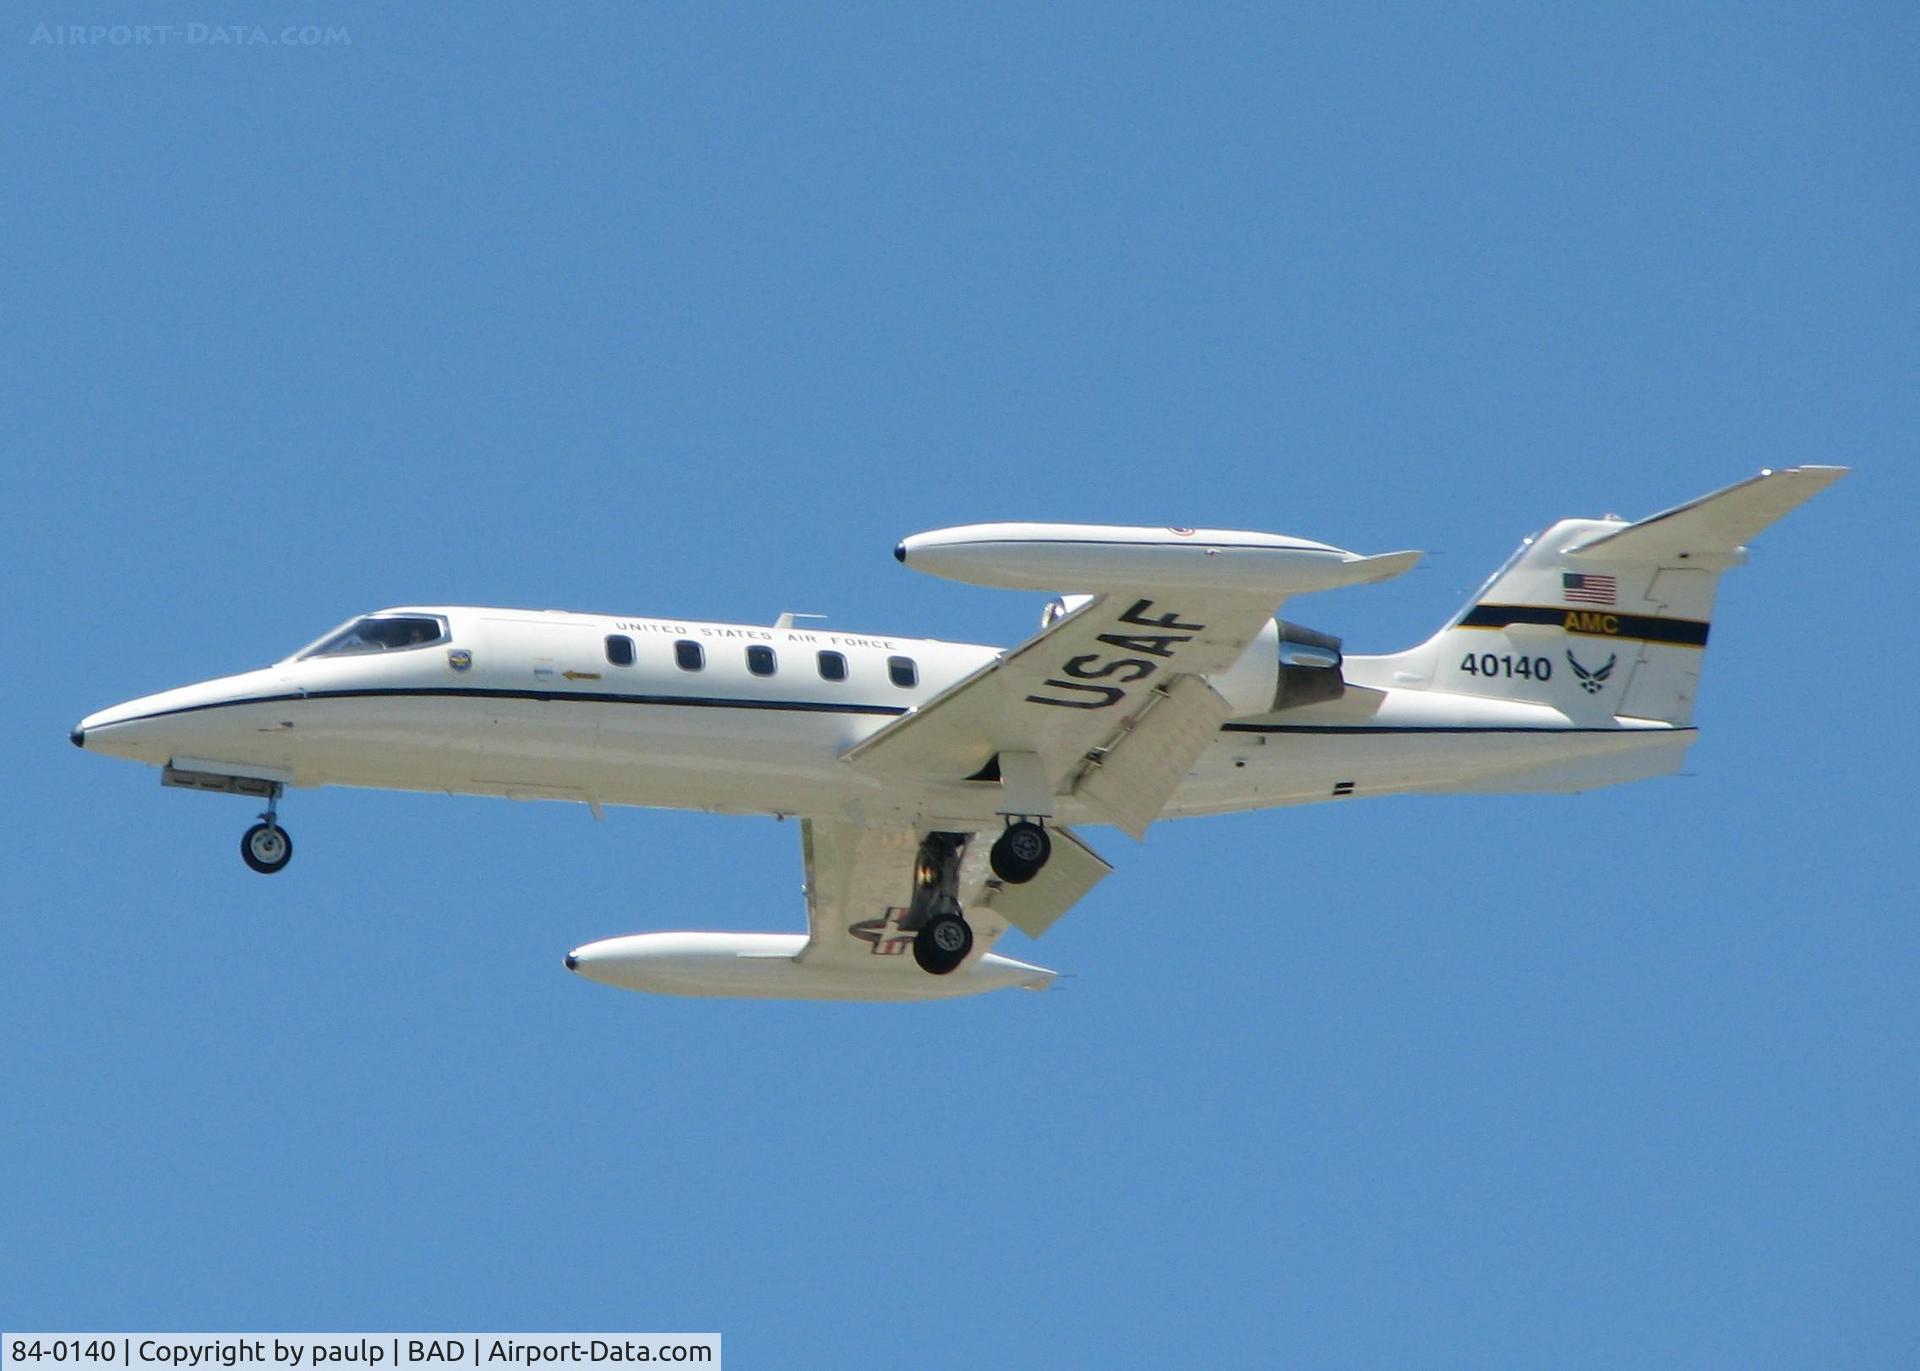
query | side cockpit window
(381,633)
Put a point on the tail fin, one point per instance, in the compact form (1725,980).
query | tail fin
(1605,619)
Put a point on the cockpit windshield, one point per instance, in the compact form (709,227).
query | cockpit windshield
(380,633)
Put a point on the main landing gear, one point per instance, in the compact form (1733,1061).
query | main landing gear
(1018,854)
(942,943)
(944,938)
(267,847)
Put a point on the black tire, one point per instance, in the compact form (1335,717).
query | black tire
(1018,854)
(942,943)
(266,848)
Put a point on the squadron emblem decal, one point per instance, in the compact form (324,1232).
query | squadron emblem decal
(459,659)
(1593,682)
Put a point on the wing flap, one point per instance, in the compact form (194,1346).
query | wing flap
(1132,779)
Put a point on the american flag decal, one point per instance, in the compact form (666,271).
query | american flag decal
(1585,588)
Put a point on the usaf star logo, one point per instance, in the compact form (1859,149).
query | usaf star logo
(1593,682)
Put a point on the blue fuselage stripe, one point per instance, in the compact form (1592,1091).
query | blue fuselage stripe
(802,707)
(568,696)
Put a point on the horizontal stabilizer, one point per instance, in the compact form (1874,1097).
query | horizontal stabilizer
(1714,526)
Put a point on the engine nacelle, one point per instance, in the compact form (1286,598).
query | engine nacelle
(1309,667)
(1285,667)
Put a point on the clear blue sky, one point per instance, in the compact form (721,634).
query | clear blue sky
(695,309)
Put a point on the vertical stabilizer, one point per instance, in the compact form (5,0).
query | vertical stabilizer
(1604,619)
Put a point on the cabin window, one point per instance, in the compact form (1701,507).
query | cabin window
(619,649)
(690,655)
(760,660)
(381,633)
(833,666)
(902,672)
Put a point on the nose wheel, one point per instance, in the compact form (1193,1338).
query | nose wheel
(267,847)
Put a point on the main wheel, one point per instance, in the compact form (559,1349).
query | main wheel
(942,943)
(266,848)
(1018,854)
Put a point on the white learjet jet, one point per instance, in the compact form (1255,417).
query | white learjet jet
(940,784)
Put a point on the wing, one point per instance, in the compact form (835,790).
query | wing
(1108,702)
(860,888)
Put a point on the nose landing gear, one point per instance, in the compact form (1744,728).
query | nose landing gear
(267,847)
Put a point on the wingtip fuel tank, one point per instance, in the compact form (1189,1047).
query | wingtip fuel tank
(768,966)
(1085,557)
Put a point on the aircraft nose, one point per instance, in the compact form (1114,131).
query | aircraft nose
(78,737)
(573,962)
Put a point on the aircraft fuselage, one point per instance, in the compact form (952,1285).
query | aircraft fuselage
(732,718)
